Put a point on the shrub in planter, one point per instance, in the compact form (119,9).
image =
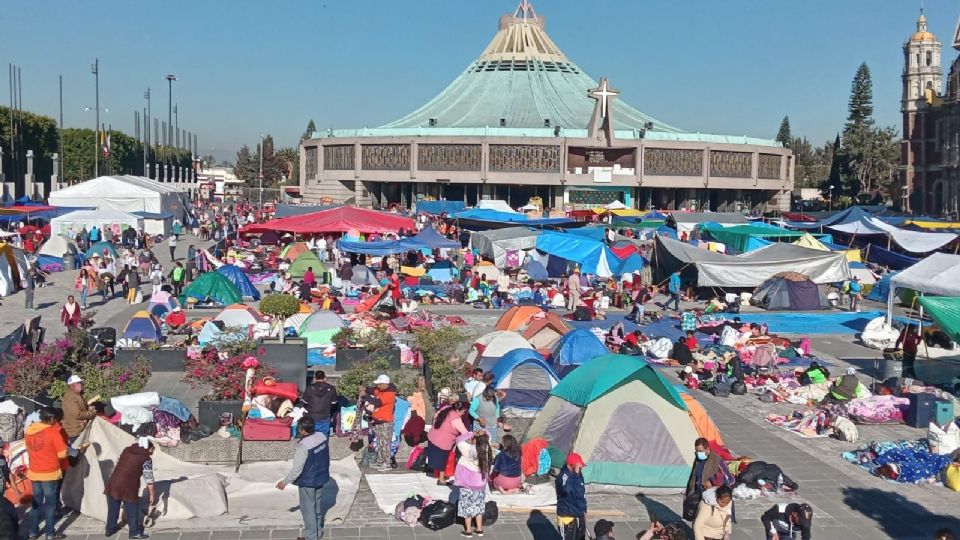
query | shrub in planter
(279,306)
(108,380)
(439,348)
(373,339)
(224,374)
(28,373)
(364,373)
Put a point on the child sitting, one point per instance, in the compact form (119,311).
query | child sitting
(506,476)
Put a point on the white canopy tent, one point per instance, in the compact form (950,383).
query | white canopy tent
(495,243)
(112,220)
(911,241)
(938,274)
(123,193)
(58,246)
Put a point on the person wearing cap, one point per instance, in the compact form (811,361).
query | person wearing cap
(123,487)
(847,387)
(381,399)
(76,413)
(855,293)
(786,518)
(571,499)
(603,530)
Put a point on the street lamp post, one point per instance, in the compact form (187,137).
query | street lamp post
(831,197)
(95,69)
(170,78)
(146,138)
(260,175)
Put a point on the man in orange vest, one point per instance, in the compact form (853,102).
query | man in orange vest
(380,402)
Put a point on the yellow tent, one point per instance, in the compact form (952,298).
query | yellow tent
(808,241)
(932,224)
(620,212)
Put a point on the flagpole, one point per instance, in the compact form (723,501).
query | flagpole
(96,155)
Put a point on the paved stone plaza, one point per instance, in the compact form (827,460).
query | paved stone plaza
(848,503)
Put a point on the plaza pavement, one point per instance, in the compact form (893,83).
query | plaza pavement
(849,504)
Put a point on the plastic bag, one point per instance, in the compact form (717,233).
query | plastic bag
(952,477)
(438,515)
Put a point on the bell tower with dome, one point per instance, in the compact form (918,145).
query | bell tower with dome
(922,84)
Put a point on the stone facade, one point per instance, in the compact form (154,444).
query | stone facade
(930,150)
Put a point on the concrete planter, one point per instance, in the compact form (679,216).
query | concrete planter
(161,360)
(208,411)
(348,358)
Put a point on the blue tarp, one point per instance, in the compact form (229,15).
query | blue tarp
(439,207)
(653,215)
(590,255)
(576,348)
(813,323)
(593,233)
(239,278)
(633,263)
(665,231)
(485,214)
(881,289)
(427,239)
(850,215)
(442,272)
(890,259)
(535,270)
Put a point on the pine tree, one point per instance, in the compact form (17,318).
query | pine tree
(861,99)
(311,129)
(784,136)
(870,153)
(247,165)
(836,176)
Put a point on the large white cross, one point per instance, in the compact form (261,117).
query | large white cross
(602,94)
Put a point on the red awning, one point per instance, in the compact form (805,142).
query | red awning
(335,220)
(625,250)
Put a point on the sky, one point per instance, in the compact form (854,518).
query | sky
(247,67)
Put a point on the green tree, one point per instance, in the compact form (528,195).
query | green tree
(870,153)
(289,158)
(39,135)
(784,136)
(837,176)
(247,165)
(311,129)
(78,154)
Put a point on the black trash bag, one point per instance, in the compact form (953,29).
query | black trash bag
(438,515)
(490,513)
(691,503)
(738,388)
(721,389)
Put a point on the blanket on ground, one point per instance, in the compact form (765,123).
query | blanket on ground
(807,424)
(878,409)
(907,462)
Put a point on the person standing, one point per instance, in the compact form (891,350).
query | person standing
(76,413)
(571,499)
(447,426)
(172,242)
(123,488)
(177,277)
(714,515)
(673,287)
(47,455)
(177,227)
(310,472)
(472,473)
(84,282)
(320,398)
(855,293)
(709,471)
(70,314)
(382,399)
(395,292)
(29,285)
(573,284)
(156,279)
(308,277)
(910,340)
(133,286)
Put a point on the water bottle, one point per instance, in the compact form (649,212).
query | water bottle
(779,482)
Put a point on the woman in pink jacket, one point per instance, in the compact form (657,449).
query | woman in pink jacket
(447,426)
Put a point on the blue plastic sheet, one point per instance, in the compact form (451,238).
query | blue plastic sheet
(813,323)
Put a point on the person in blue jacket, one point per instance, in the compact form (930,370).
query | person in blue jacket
(310,472)
(572,499)
(673,287)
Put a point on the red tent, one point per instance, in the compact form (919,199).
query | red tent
(335,220)
(625,250)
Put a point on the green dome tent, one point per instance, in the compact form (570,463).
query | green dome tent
(215,286)
(305,260)
(596,410)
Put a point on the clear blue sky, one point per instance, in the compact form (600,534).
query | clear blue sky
(249,67)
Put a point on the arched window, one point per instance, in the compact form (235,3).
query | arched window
(917,62)
(929,58)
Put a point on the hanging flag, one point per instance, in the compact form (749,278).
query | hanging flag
(105,144)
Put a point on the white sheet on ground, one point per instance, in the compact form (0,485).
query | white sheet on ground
(214,493)
(389,489)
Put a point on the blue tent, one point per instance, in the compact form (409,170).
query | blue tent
(890,259)
(98,249)
(142,327)
(633,263)
(210,333)
(574,349)
(430,238)
(653,215)
(527,380)
(535,270)
(593,233)
(663,230)
(486,214)
(240,279)
(591,256)
(881,289)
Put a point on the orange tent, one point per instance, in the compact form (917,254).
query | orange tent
(544,331)
(293,251)
(701,420)
(517,317)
